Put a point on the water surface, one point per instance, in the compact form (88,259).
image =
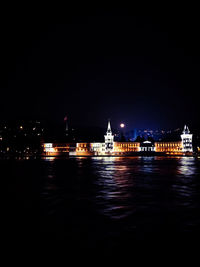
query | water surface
(102,201)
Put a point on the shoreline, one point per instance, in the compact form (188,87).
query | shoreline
(66,155)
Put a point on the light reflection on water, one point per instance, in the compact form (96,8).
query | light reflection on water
(187,166)
(104,200)
(115,188)
(120,178)
(144,191)
(49,158)
(146,164)
(184,187)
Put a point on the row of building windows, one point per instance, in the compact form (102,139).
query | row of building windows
(164,149)
(125,150)
(168,144)
(83,145)
(127,145)
(83,149)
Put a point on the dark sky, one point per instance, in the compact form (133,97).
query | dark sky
(142,69)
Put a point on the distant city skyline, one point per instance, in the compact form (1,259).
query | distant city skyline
(60,132)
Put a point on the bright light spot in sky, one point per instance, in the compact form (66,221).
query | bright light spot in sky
(122,125)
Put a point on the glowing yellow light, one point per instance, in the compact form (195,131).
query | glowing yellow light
(122,125)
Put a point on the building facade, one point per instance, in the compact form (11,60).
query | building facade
(55,149)
(147,146)
(169,147)
(111,148)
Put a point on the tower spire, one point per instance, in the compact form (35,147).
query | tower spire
(109,127)
(109,139)
(186,130)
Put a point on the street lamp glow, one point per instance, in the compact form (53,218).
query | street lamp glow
(122,125)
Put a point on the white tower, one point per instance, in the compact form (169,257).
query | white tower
(109,139)
(186,140)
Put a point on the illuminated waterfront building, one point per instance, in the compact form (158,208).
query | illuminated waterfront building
(55,149)
(83,149)
(98,148)
(109,140)
(147,146)
(126,147)
(110,147)
(186,140)
(169,147)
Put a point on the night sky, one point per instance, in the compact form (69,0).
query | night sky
(140,69)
